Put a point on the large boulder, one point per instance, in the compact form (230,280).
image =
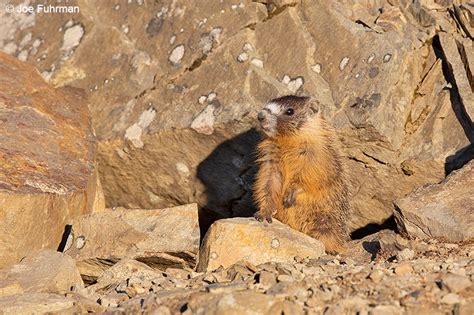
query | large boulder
(175,89)
(444,211)
(48,171)
(159,238)
(46,271)
(229,241)
(36,303)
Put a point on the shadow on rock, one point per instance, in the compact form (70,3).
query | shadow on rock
(461,157)
(228,174)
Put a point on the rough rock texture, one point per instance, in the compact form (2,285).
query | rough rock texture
(436,279)
(240,239)
(159,238)
(48,173)
(175,87)
(46,271)
(35,303)
(444,210)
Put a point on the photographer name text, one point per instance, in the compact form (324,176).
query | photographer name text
(41,8)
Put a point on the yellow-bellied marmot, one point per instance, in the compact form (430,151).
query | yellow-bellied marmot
(301,179)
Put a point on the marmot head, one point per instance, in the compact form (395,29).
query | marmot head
(285,115)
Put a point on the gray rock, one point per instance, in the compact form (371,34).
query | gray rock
(444,210)
(159,238)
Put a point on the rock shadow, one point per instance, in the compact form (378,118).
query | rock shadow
(228,174)
(373,228)
(464,155)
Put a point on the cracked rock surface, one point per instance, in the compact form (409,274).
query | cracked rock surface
(174,83)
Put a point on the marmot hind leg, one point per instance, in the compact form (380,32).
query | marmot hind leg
(327,229)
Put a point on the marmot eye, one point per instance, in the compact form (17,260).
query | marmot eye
(290,111)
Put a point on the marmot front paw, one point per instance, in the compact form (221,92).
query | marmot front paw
(261,215)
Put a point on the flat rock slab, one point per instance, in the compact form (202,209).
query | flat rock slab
(46,271)
(35,303)
(444,210)
(245,239)
(159,238)
(47,161)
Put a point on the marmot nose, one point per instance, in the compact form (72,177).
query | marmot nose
(261,116)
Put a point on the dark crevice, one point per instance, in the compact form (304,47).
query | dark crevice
(196,63)
(374,158)
(372,228)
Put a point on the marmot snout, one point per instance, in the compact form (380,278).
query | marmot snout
(301,179)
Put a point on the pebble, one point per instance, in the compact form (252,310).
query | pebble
(403,268)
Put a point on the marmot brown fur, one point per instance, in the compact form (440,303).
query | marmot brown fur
(301,180)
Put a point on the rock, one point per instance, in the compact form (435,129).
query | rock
(377,77)
(386,310)
(48,171)
(113,299)
(455,283)
(450,299)
(444,210)
(228,241)
(266,279)
(405,254)
(403,268)
(457,60)
(46,271)
(232,303)
(35,303)
(124,270)
(159,238)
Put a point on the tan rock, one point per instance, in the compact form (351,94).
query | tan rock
(444,210)
(247,302)
(159,238)
(454,50)
(48,172)
(35,303)
(122,271)
(219,62)
(46,271)
(403,268)
(231,240)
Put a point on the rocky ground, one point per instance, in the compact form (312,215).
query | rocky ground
(382,274)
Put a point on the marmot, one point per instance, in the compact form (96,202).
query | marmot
(301,180)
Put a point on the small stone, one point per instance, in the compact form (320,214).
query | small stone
(376,276)
(285,278)
(177,273)
(225,288)
(386,310)
(405,254)
(450,299)
(403,269)
(113,299)
(266,279)
(455,283)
